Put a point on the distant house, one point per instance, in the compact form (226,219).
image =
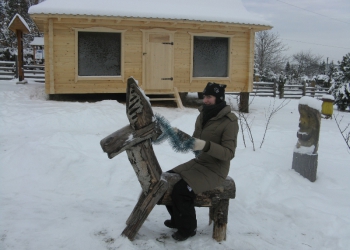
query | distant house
(168,46)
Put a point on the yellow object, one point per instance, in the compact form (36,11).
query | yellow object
(327,108)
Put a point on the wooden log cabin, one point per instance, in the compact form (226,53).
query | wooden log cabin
(168,46)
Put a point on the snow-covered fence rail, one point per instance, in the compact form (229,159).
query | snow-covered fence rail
(7,70)
(36,72)
(265,89)
(273,89)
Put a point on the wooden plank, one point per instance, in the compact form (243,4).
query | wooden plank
(51,58)
(163,99)
(7,68)
(143,209)
(178,99)
(251,62)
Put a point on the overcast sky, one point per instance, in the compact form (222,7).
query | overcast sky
(319,26)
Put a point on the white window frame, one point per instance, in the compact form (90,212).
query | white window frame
(230,52)
(94,78)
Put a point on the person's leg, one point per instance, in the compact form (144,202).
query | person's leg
(184,213)
(170,223)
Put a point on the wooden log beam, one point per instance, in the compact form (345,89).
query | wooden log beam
(143,209)
(127,137)
(206,199)
(220,215)
(244,102)
(145,164)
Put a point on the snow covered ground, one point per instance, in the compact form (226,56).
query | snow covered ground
(58,190)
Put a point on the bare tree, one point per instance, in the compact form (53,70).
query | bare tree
(345,132)
(305,63)
(268,52)
(269,114)
(244,121)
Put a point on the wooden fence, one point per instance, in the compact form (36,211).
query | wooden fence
(287,91)
(8,71)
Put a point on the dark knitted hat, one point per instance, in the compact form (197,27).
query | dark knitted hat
(215,89)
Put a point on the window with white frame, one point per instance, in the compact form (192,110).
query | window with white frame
(210,56)
(99,53)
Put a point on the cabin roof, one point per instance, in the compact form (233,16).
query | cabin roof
(18,23)
(38,41)
(224,11)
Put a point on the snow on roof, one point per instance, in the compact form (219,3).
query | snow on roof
(22,20)
(227,11)
(39,41)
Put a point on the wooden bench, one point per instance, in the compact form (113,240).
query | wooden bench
(157,186)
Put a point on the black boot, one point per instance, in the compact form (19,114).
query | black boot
(169,224)
(179,237)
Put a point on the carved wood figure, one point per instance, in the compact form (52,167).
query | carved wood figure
(136,140)
(305,155)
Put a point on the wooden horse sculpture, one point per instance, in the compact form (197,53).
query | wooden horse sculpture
(157,186)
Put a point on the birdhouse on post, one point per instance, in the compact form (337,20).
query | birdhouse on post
(19,26)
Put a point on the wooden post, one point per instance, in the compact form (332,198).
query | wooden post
(19,26)
(244,102)
(274,88)
(313,85)
(304,89)
(19,34)
(219,213)
(281,89)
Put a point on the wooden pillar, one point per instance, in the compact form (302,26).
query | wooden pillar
(19,26)
(51,61)
(219,215)
(19,34)
(244,102)
(274,88)
(313,85)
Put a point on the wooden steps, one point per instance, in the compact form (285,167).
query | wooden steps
(176,98)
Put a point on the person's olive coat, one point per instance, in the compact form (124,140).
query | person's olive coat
(211,168)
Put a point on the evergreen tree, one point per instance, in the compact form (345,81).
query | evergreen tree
(287,68)
(323,68)
(331,71)
(345,67)
(340,89)
(8,40)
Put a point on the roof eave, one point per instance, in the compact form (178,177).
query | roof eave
(41,16)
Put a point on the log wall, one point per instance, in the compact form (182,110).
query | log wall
(61,68)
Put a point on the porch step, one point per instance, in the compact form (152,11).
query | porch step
(176,98)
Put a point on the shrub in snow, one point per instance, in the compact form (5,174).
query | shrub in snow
(340,89)
(341,95)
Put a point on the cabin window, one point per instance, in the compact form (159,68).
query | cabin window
(210,56)
(99,54)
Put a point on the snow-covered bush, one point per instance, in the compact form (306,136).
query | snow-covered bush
(341,93)
(340,89)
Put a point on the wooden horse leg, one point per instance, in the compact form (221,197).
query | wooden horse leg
(138,204)
(143,208)
(219,214)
